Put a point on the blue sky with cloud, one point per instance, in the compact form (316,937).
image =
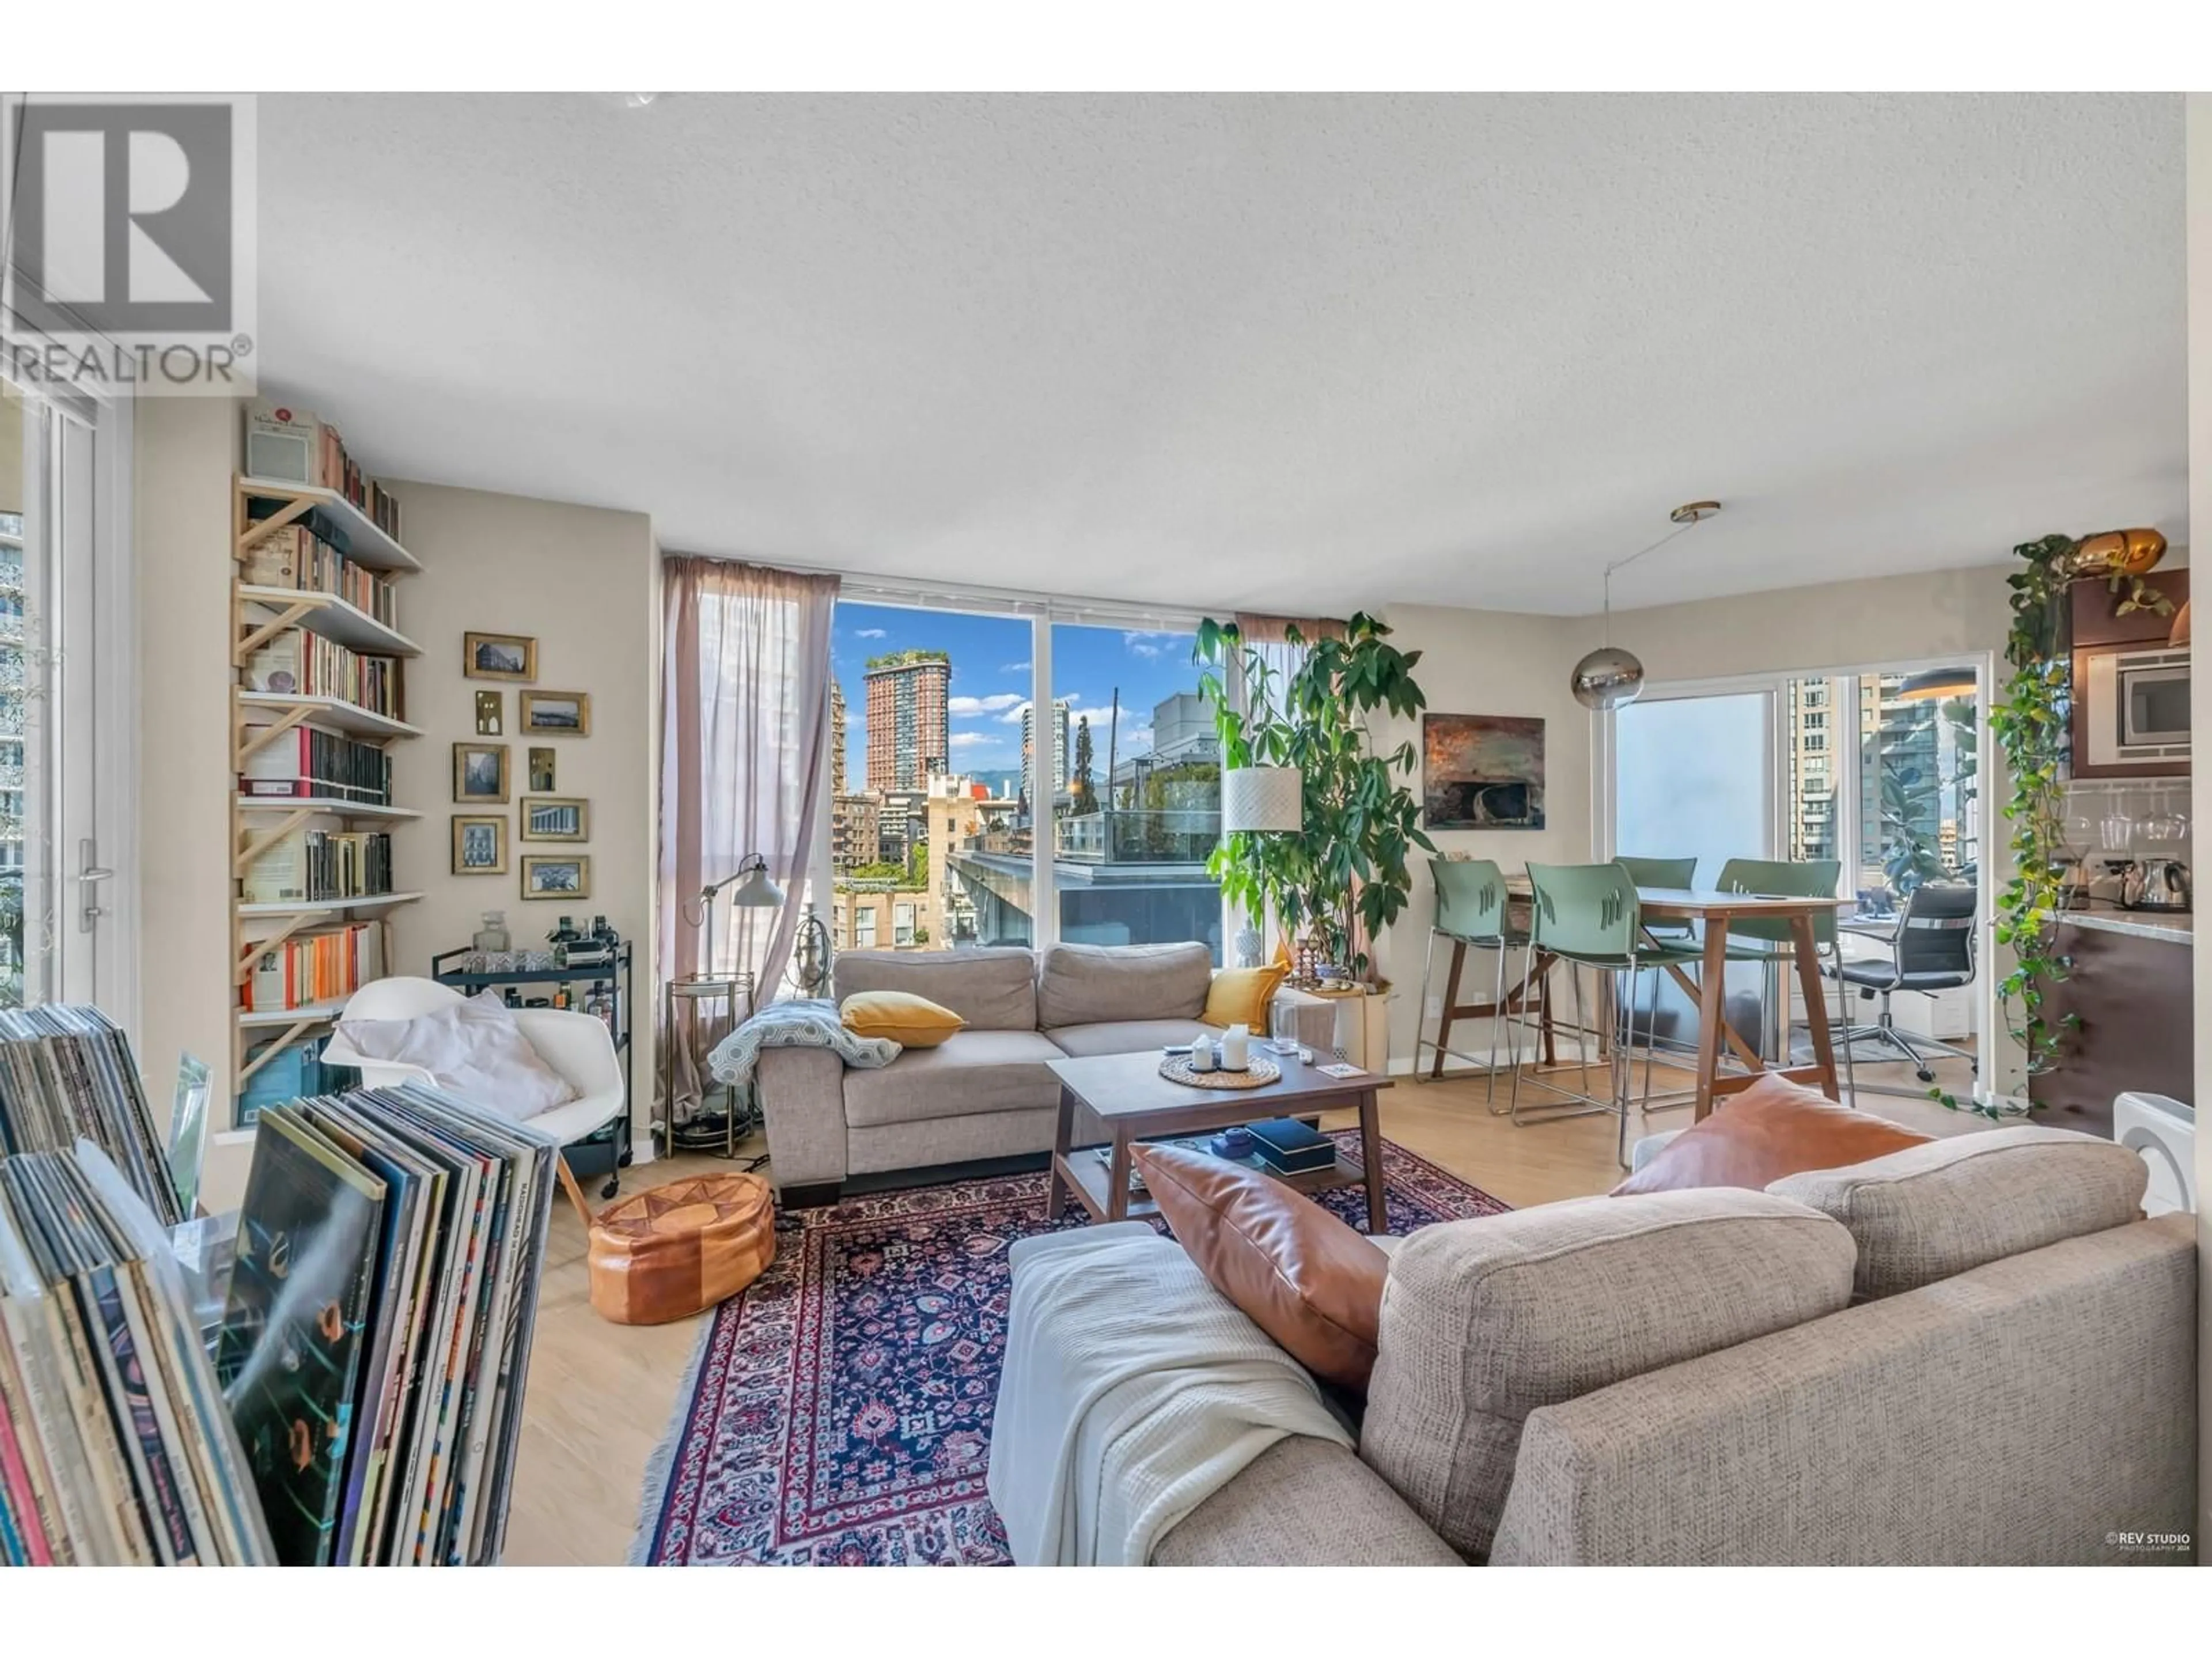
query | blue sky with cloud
(991,678)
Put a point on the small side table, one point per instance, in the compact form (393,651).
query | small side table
(686,1001)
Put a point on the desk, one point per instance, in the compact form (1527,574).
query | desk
(1716,911)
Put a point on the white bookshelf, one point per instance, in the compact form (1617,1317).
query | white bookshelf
(333,713)
(367,543)
(258,611)
(332,617)
(330,805)
(326,906)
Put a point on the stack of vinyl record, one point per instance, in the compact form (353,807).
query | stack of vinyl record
(116,1445)
(66,1072)
(376,1341)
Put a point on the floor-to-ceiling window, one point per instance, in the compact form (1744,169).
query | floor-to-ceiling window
(1878,771)
(1129,759)
(930,832)
(1009,775)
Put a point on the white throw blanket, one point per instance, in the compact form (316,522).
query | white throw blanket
(1132,1391)
(801,1023)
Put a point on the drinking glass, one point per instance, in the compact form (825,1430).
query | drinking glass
(1282,1027)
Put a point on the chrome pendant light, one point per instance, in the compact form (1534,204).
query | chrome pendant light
(1610,676)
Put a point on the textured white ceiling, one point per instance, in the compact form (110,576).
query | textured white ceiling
(1290,350)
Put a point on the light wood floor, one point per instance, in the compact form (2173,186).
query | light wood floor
(601,1395)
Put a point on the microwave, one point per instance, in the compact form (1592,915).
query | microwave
(2136,707)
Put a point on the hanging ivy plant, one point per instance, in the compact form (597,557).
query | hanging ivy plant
(2030,720)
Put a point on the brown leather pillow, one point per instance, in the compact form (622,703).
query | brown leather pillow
(1774,1129)
(1300,1274)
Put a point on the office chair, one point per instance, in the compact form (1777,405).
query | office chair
(1933,950)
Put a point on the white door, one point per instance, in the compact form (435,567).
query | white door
(65,672)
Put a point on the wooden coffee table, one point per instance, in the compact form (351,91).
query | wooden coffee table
(1135,1102)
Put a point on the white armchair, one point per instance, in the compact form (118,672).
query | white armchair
(577,1046)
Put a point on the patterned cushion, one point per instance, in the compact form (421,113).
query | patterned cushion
(1933,1211)
(1086,984)
(994,990)
(1484,1321)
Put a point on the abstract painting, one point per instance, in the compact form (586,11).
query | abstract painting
(1482,772)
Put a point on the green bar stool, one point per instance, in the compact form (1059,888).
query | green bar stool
(1772,944)
(1588,915)
(1664,872)
(1470,912)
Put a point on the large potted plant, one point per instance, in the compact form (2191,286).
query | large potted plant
(1340,876)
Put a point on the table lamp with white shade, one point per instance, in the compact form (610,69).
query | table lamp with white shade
(1263,800)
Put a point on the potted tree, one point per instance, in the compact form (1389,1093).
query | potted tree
(1340,876)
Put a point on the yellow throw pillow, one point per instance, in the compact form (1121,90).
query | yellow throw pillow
(1240,996)
(910,1021)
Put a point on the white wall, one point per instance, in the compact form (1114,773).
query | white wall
(584,583)
(185,452)
(1840,625)
(1487,662)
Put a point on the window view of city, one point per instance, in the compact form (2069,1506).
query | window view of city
(945,776)
(1909,742)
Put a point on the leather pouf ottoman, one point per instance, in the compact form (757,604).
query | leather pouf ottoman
(670,1251)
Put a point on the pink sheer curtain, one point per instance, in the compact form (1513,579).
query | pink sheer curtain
(744,762)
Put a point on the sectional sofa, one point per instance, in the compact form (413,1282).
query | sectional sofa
(987,1092)
(1974,1351)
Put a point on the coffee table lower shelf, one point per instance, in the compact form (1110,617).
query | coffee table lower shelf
(1085,1174)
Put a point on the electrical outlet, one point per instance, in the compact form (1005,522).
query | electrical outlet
(1435,1010)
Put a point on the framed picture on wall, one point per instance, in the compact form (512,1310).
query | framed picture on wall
(541,771)
(556,876)
(555,817)
(556,714)
(479,845)
(499,657)
(480,773)
(1482,772)
(490,714)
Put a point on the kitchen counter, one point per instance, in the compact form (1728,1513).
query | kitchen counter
(2175,925)
(2131,992)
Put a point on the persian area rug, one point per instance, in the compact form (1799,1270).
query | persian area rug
(838,1412)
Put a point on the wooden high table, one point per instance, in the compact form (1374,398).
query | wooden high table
(1716,911)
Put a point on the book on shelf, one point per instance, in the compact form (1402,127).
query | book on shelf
(305,762)
(288,1071)
(291,445)
(320,964)
(117,1447)
(295,662)
(309,866)
(294,557)
(66,1073)
(443,1268)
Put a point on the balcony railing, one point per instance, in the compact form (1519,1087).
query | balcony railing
(1136,837)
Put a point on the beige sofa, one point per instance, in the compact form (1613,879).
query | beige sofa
(1973,1351)
(985,1092)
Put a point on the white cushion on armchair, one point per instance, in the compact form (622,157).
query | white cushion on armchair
(477,1047)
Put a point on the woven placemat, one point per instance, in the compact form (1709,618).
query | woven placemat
(1257,1073)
